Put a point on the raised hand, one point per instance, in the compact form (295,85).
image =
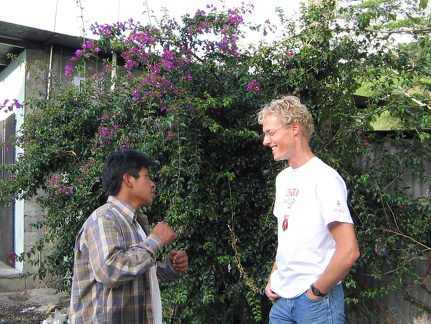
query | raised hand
(179,259)
(164,232)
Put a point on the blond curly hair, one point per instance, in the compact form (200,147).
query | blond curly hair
(288,110)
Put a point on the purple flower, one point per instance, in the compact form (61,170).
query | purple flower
(16,103)
(53,181)
(68,69)
(253,85)
(135,95)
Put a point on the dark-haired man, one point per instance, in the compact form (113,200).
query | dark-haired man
(116,275)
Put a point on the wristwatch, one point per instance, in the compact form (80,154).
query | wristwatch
(316,291)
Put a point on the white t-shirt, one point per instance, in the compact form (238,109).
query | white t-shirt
(155,290)
(307,200)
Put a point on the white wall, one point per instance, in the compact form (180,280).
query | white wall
(12,83)
(12,86)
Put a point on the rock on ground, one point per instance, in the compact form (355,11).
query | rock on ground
(32,306)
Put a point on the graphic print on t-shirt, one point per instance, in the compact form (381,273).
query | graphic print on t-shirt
(289,201)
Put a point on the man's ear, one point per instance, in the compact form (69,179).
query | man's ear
(126,180)
(296,127)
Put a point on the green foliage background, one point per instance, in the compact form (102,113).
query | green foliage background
(187,95)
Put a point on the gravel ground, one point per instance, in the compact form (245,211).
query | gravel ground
(32,306)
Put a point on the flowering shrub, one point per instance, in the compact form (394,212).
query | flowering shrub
(187,95)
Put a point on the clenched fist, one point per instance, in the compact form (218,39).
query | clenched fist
(164,232)
(179,259)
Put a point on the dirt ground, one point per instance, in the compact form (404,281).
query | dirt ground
(32,306)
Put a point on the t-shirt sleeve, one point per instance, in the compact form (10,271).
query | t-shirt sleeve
(331,195)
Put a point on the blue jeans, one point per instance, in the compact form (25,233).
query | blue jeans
(303,310)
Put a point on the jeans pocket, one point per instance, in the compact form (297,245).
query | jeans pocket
(312,300)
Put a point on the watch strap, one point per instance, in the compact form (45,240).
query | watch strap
(316,291)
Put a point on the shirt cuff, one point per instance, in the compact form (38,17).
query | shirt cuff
(154,243)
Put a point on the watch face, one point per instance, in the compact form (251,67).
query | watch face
(316,292)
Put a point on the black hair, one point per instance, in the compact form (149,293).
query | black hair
(120,163)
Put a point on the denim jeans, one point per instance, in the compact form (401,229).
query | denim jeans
(303,310)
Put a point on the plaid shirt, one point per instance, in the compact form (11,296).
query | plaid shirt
(111,282)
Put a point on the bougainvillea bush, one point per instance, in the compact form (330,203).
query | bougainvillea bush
(186,93)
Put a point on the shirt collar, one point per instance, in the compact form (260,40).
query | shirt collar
(126,210)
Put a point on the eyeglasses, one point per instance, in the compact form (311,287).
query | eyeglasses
(271,133)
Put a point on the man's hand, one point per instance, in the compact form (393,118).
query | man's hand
(164,232)
(179,259)
(271,295)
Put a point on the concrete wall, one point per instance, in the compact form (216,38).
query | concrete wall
(410,304)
